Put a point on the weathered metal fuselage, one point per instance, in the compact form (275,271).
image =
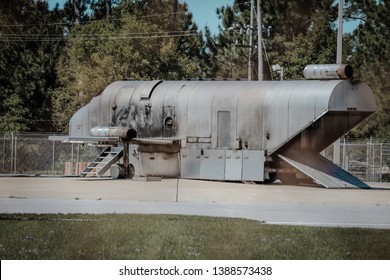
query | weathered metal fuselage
(222,130)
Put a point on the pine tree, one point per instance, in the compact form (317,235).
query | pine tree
(30,45)
(370,57)
(140,43)
(285,26)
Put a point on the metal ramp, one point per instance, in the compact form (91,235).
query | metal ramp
(102,163)
(321,170)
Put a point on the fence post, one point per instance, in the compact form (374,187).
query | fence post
(4,152)
(72,159)
(16,153)
(381,163)
(53,158)
(78,159)
(373,163)
(367,164)
(12,152)
(345,156)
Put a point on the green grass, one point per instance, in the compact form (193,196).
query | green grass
(179,237)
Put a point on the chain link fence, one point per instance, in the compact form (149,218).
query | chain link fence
(34,153)
(366,159)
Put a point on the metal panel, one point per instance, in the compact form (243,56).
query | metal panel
(107,102)
(250,115)
(253,165)
(78,125)
(122,106)
(352,96)
(85,128)
(94,112)
(298,117)
(181,100)
(275,115)
(174,103)
(224,129)
(290,107)
(213,165)
(224,114)
(160,164)
(199,108)
(190,163)
(322,170)
(233,169)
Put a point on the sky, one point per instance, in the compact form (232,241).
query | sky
(204,13)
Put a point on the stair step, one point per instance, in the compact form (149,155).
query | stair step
(88,173)
(103,162)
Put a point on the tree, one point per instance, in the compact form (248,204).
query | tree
(370,57)
(140,43)
(297,33)
(285,25)
(316,46)
(76,10)
(30,45)
(102,8)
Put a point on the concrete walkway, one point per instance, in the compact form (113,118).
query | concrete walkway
(276,204)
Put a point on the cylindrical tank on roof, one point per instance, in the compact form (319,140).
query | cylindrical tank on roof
(328,71)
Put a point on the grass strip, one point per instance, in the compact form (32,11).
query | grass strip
(159,237)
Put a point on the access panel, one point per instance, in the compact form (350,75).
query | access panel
(253,165)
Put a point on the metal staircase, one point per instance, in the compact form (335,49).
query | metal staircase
(102,163)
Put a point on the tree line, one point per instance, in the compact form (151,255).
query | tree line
(53,61)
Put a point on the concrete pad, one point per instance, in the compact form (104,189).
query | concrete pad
(182,190)
(275,203)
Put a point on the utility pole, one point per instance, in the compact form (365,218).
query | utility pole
(259,42)
(249,31)
(250,54)
(340,33)
(339,59)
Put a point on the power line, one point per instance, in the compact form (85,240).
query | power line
(174,32)
(242,4)
(91,21)
(154,35)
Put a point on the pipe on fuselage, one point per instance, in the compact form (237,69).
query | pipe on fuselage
(125,133)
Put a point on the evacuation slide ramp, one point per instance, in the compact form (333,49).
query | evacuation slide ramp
(321,170)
